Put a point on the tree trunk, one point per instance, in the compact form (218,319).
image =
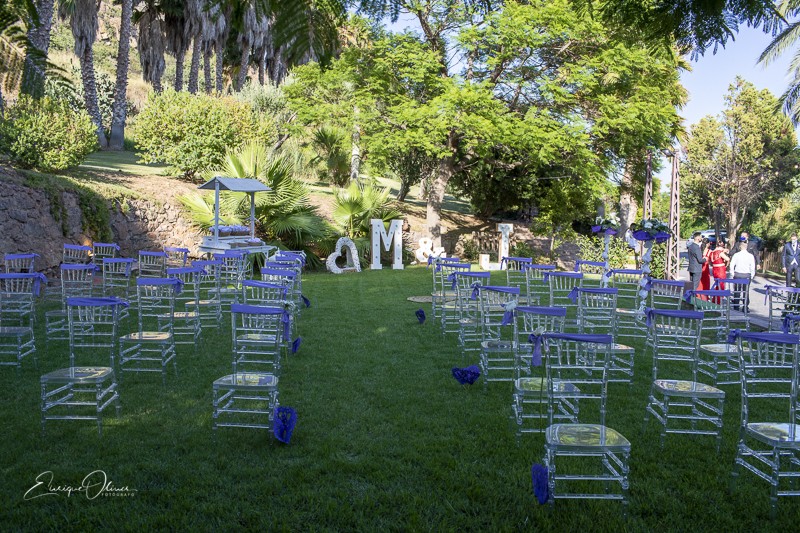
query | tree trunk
(218,72)
(207,71)
(90,94)
(120,107)
(33,76)
(194,69)
(2,105)
(355,153)
(627,203)
(436,192)
(405,186)
(179,57)
(243,67)
(262,64)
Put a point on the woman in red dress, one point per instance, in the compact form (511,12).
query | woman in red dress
(705,274)
(719,260)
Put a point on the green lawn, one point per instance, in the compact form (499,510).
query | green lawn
(120,161)
(386,439)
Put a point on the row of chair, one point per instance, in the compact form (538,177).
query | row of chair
(579,365)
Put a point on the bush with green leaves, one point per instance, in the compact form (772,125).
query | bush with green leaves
(592,250)
(191,133)
(46,134)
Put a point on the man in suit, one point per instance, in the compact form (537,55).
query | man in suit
(791,261)
(696,259)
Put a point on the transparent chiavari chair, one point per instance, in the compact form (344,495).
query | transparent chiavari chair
(449,310)
(665,294)
(102,251)
(265,293)
(781,301)
(76,254)
(530,390)
(740,288)
(561,285)
(210,303)
(186,316)
(287,255)
(293,265)
(592,271)
(93,328)
(117,277)
(597,313)
(440,290)
(77,281)
(152,264)
(19,263)
(259,334)
(628,283)
(769,436)
(577,373)
(681,405)
(232,271)
(516,276)
(469,310)
(289,278)
(152,347)
(717,359)
(535,283)
(176,257)
(497,355)
(18,292)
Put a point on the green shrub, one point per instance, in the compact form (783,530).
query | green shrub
(191,133)
(46,134)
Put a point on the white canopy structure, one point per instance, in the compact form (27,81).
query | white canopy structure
(247,185)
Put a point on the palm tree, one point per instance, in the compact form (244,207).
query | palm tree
(39,37)
(212,29)
(151,44)
(177,35)
(82,16)
(13,44)
(120,106)
(787,38)
(247,35)
(194,27)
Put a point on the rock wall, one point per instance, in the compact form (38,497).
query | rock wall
(27,224)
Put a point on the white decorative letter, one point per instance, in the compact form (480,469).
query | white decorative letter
(379,235)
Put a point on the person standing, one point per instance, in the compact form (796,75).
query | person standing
(705,273)
(791,261)
(743,265)
(696,259)
(752,247)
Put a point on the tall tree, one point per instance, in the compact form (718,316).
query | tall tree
(177,35)
(151,44)
(742,159)
(119,109)
(788,38)
(39,37)
(82,15)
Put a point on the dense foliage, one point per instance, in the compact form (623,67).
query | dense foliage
(46,134)
(191,133)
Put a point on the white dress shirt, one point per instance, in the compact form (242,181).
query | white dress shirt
(743,262)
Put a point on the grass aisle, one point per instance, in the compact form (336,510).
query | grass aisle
(386,439)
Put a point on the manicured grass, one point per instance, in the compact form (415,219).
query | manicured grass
(120,161)
(386,440)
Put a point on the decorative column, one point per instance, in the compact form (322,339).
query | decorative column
(502,251)
(608,227)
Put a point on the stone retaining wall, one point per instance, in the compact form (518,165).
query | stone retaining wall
(28,225)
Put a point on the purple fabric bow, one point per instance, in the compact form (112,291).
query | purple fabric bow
(770,336)
(306,301)
(285,420)
(642,235)
(296,344)
(540,487)
(107,244)
(777,289)
(788,320)
(476,289)
(176,283)
(573,294)
(38,279)
(733,335)
(467,375)
(651,313)
(420,313)
(536,354)
(97,302)
(688,295)
(548,311)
